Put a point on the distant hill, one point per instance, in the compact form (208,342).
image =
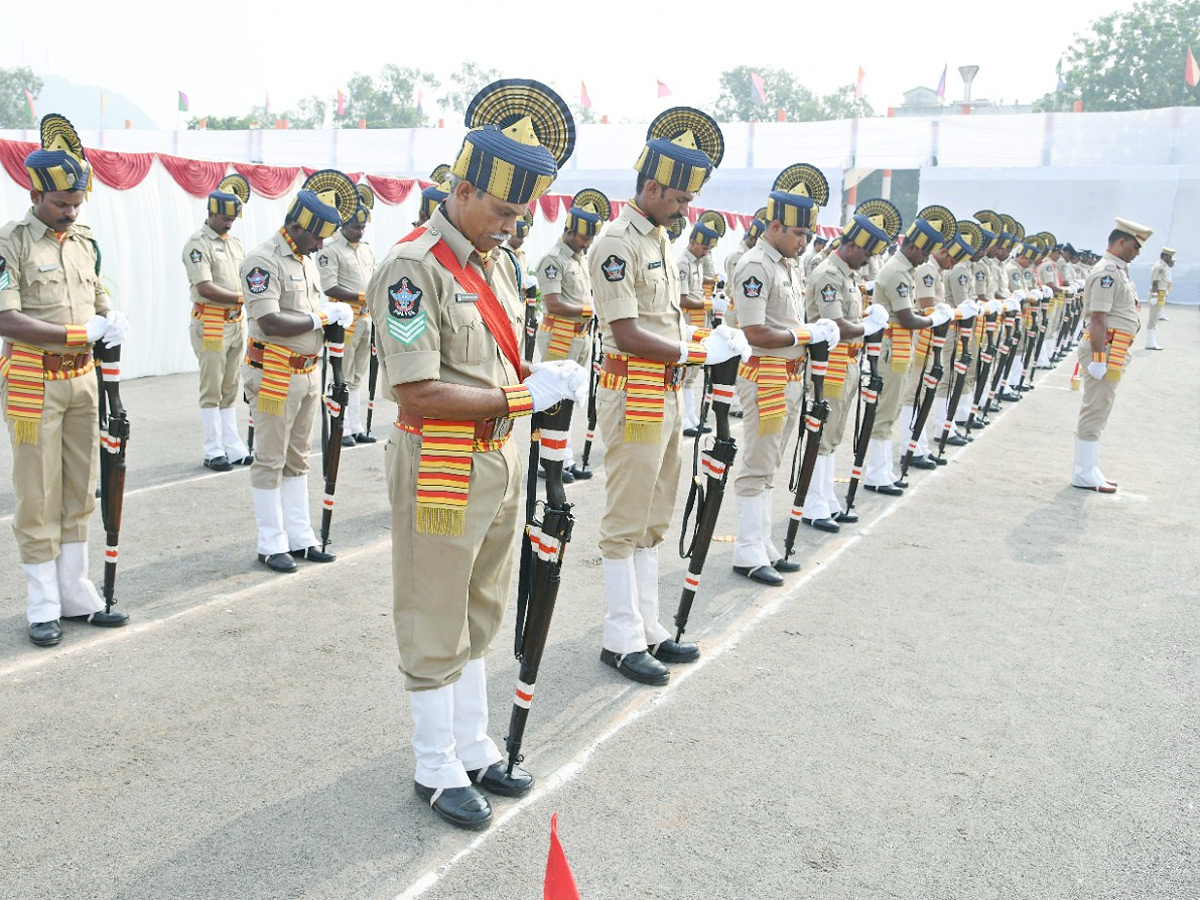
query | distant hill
(81,104)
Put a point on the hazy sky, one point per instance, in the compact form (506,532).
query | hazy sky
(227,62)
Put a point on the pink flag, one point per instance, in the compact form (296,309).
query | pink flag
(858,84)
(663,90)
(1191,73)
(583,95)
(420,101)
(32,111)
(560,883)
(759,88)
(341,103)
(941,91)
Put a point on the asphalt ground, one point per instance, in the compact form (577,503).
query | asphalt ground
(987,688)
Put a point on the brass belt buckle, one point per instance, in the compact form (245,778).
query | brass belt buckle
(66,361)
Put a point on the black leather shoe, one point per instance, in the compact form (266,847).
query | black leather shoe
(363,438)
(845,518)
(219,464)
(901,483)
(314,554)
(246,460)
(889,489)
(822,525)
(637,666)
(761,574)
(111,619)
(922,462)
(670,651)
(45,634)
(279,562)
(567,477)
(496,780)
(579,474)
(692,432)
(1025,387)
(937,460)
(1008,396)
(461,806)
(349,441)
(956,440)
(783,564)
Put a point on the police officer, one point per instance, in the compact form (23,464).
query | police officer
(212,258)
(53,308)
(960,293)
(566,282)
(287,314)
(833,293)
(646,346)
(696,306)
(1110,304)
(895,291)
(757,226)
(345,265)
(770,383)
(433,195)
(1160,286)
(448,324)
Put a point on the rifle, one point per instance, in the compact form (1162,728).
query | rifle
(325,409)
(114,435)
(1003,358)
(593,383)
(865,421)
(813,425)
(335,403)
(372,381)
(547,543)
(958,382)
(931,377)
(531,320)
(986,356)
(249,425)
(716,463)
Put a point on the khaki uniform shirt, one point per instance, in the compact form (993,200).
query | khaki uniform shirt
(274,280)
(960,282)
(833,293)
(345,265)
(1014,277)
(1066,271)
(1160,277)
(1110,290)
(1048,273)
(731,262)
(874,265)
(48,280)
(427,325)
(980,271)
(895,288)
(634,277)
(930,287)
(997,278)
(562,271)
(764,293)
(208,256)
(691,276)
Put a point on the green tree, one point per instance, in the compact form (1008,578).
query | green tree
(390,102)
(14,109)
(1133,59)
(738,100)
(465,83)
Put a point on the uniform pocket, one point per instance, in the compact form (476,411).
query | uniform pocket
(43,289)
(465,336)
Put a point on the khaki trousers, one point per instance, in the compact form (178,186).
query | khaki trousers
(220,370)
(840,409)
(640,479)
(356,359)
(1155,311)
(449,592)
(580,350)
(281,443)
(759,458)
(891,398)
(54,480)
(1099,394)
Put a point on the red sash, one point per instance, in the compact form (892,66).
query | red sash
(494,317)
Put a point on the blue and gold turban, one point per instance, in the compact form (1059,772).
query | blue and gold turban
(231,194)
(875,224)
(327,199)
(758,224)
(366,203)
(521,132)
(589,210)
(797,195)
(704,235)
(683,146)
(993,226)
(967,241)
(933,227)
(524,224)
(61,164)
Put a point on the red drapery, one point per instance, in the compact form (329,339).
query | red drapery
(120,170)
(196,176)
(12,155)
(270,181)
(391,190)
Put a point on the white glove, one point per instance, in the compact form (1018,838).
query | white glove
(825,331)
(994,306)
(1097,369)
(1012,304)
(551,382)
(720,304)
(95,328)
(968,309)
(117,329)
(1019,296)
(870,285)
(338,313)
(1047,292)
(725,343)
(941,314)
(878,316)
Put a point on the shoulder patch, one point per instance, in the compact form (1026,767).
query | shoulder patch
(902,290)
(196,256)
(829,293)
(1106,281)
(614,268)
(980,276)
(4,279)
(323,260)
(963,279)
(550,270)
(752,287)
(257,280)
(406,319)
(928,279)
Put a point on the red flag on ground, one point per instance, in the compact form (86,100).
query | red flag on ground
(560,883)
(663,90)
(1191,72)
(759,88)
(858,84)
(584,98)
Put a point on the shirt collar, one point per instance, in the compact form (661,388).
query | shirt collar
(637,219)
(843,266)
(455,239)
(771,253)
(40,229)
(1117,261)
